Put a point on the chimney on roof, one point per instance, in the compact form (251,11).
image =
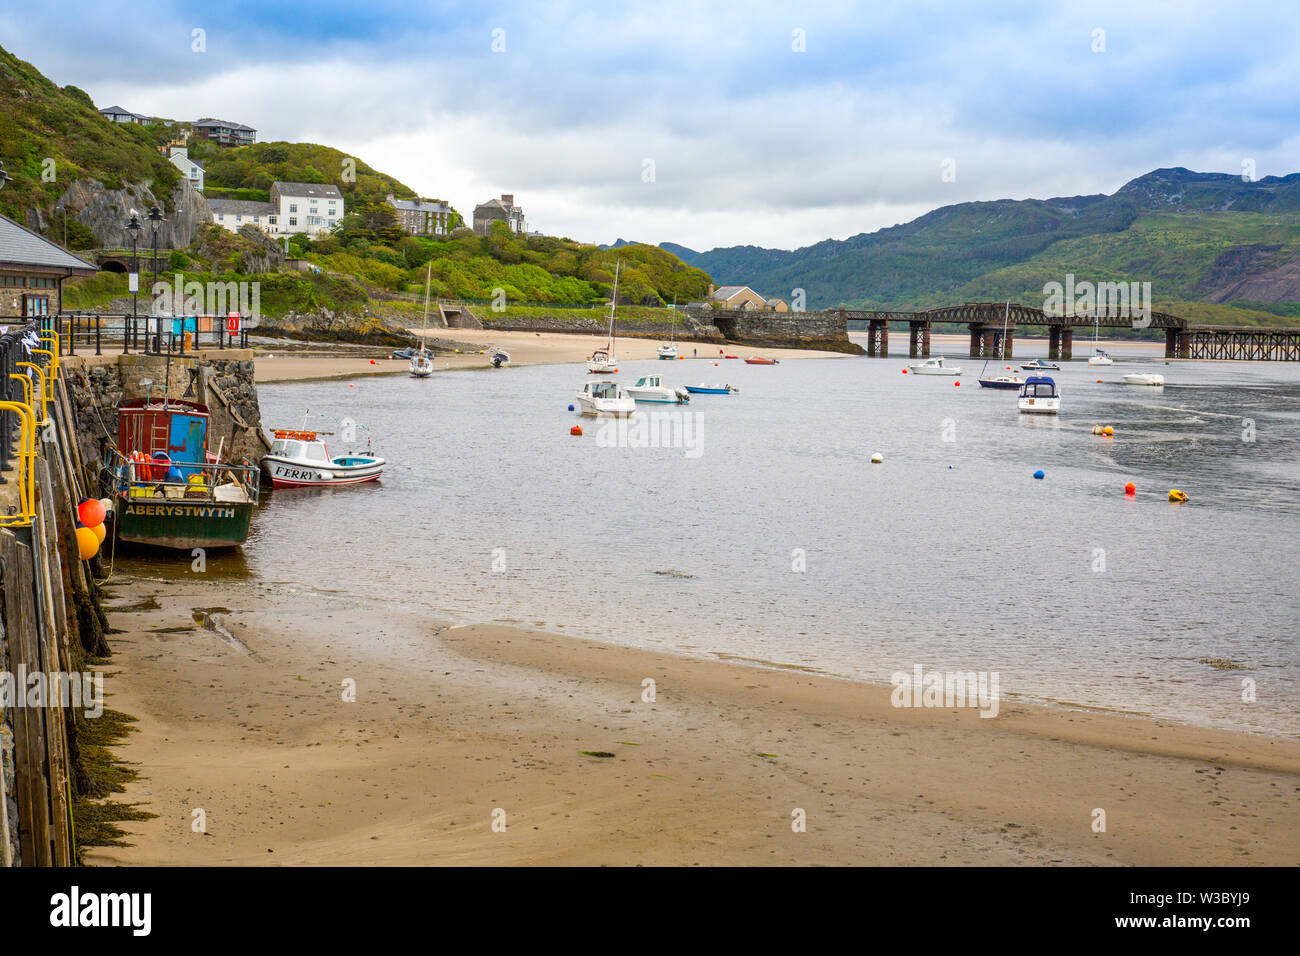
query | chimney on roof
(508,198)
(710,295)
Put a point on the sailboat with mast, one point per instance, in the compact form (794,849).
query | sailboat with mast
(604,361)
(669,349)
(422,361)
(1099,357)
(1001,381)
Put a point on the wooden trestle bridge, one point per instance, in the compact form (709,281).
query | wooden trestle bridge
(985,321)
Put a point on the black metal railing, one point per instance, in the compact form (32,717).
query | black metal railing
(96,332)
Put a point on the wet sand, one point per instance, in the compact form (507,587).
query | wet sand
(452,724)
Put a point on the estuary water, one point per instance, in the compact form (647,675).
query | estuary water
(768,535)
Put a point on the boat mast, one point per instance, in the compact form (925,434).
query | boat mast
(613,303)
(425,330)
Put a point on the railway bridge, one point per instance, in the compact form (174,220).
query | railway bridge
(985,321)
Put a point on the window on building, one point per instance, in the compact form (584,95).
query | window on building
(293,220)
(293,207)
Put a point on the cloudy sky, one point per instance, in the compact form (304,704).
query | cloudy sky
(710,124)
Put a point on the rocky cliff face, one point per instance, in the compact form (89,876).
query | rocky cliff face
(105,213)
(326,325)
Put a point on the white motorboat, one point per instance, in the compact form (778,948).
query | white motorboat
(1101,358)
(933,366)
(600,397)
(667,351)
(1143,378)
(1040,396)
(649,389)
(1038,365)
(300,459)
(604,361)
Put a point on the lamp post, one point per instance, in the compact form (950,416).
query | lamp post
(155,217)
(133,227)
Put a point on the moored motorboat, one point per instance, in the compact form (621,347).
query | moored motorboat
(1101,358)
(1038,365)
(605,398)
(1143,378)
(760,360)
(649,389)
(711,389)
(933,366)
(1040,396)
(300,459)
(1002,381)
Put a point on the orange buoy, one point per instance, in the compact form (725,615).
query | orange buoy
(100,532)
(956,384)
(91,512)
(1130,489)
(575,430)
(904,371)
(87,543)
(1098,381)
(372,361)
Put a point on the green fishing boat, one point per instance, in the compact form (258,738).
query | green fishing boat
(168,489)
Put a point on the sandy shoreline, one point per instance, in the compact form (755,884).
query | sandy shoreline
(525,348)
(453,723)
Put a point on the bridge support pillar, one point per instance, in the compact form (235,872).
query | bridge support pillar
(1171,343)
(1067,343)
(976,334)
(878,338)
(1054,343)
(1008,344)
(925,341)
(990,342)
(918,344)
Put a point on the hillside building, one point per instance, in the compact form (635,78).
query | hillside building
(191,169)
(499,210)
(225,133)
(422,217)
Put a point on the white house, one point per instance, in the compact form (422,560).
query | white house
(191,169)
(233,214)
(311,208)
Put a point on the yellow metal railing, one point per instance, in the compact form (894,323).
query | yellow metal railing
(45,390)
(26,467)
(51,338)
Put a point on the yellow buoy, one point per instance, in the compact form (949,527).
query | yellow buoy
(100,532)
(87,543)
(1108,431)
(1176,495)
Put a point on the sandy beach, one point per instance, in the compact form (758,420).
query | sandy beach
(525,348)
(452,725)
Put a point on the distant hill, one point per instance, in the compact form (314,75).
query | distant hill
(1197,237)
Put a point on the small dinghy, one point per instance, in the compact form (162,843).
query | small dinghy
(299,459)
(759,360)
(711,389)
(498,357)
(1143,378)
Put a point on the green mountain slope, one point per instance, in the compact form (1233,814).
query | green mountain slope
(1197,237)
(52,136)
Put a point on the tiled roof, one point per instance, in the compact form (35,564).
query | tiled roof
(241,207)
(224,124)
(731,291)
(20,247)
(311,190)
(410,205)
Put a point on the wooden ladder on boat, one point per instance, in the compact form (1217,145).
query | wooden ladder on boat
(157,432)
